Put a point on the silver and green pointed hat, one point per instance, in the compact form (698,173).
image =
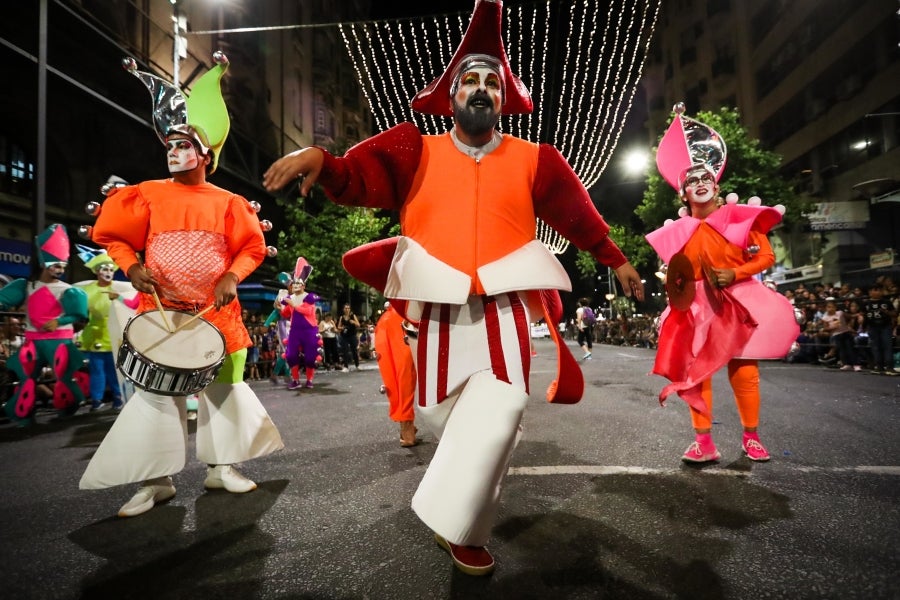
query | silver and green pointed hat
(201,115)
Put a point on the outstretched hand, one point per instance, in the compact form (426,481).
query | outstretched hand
(305,163)
(631,281)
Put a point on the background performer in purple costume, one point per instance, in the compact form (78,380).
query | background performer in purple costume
(300,307)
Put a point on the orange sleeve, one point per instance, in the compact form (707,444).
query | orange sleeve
(123,225)
(763,259)
(246,243)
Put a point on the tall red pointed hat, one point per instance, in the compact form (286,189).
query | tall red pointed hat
(484,36)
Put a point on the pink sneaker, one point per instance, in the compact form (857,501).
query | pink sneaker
(700,453)
(754,449)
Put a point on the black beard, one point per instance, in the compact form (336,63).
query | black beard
(475,122)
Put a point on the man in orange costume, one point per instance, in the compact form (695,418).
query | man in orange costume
(198,242)
(398,372)
(469,269)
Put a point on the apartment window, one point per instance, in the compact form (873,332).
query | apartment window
(16,169)
(688,40)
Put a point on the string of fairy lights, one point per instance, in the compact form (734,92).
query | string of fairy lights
(600,51)
(593,51)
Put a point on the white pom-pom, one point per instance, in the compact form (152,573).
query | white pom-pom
(754,201)
(780,208)
(731,198)
(683,212)
(667,222)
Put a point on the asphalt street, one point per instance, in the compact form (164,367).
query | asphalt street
(597,502)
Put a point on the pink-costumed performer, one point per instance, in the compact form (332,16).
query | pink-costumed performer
(52,308)
(719,313)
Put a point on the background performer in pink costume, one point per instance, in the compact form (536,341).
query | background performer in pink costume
(52,308)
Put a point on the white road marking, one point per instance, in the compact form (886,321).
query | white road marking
(613,470)
(871,469)
(622,470)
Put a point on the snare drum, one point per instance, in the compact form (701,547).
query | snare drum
(177,363)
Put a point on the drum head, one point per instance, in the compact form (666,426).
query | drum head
(197,345)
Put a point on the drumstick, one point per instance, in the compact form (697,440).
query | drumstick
(195,317)
(162,313)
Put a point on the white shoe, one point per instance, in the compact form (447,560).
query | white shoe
(153,491)
(228,478)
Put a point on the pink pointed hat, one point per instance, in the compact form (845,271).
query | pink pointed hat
(482,44)
(302,270)
(688,145)
(53,245)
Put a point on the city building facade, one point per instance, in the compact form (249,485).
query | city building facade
(819,84)
(73,116)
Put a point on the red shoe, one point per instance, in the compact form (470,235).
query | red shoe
(697,453)
(754,449)
(471,560)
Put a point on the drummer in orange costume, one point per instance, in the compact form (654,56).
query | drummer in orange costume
(199,241)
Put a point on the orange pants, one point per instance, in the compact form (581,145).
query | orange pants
(395,363)
(743,375)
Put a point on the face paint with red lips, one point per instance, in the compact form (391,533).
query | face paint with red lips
(181,155)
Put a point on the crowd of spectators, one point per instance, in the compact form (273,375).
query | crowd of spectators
(835,325)
(639,331)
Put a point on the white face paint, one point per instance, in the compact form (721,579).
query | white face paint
(484,80)
(105,273)
(57,269)
(297,287)
(700,187)
(182,155)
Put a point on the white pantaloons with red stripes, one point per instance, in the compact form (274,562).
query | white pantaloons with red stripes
(472,362)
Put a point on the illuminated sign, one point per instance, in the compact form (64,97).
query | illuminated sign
(15,258)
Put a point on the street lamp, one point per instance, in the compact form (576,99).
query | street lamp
(179,43)
(635,162)
(612,314)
